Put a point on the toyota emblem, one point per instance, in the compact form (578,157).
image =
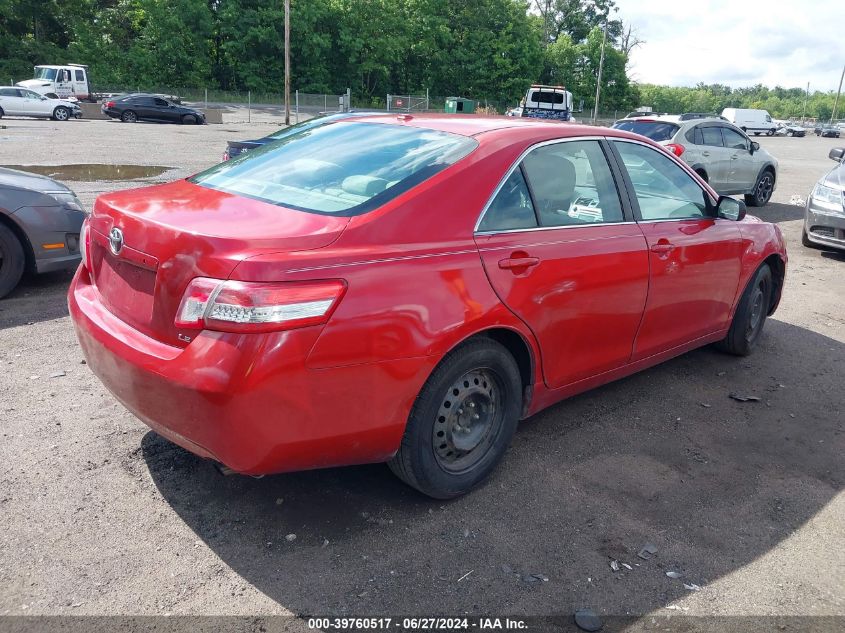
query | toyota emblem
(116,240)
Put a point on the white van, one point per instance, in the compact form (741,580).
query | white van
(60,82)
(750,121)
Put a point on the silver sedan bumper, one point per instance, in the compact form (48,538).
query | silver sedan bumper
(824,226)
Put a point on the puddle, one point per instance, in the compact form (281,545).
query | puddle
(91,172)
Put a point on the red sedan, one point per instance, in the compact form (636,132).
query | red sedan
(406,289)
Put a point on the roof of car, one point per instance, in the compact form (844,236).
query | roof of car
(518,128)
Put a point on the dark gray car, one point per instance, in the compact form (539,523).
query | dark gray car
(824,216)
(40,220)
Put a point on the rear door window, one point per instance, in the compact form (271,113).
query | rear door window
(512,208)
(571,184)
(712,136)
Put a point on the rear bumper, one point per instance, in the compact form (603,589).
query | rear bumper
(248,401)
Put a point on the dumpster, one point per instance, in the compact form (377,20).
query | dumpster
(459,105)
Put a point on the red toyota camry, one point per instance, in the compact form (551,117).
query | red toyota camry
(406,289)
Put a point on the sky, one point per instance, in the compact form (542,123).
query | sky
(738,42)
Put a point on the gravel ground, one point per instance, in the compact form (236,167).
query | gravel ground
(103,517)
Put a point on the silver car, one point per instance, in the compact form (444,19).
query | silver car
(718,151)
(40,221)
(824,216)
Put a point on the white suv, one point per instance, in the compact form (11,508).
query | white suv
(719,152)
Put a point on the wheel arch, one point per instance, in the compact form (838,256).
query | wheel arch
(701,171)
(778,268)
(519,347)
(19,233)
(767,166)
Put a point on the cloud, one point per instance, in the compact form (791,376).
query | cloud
(770,42)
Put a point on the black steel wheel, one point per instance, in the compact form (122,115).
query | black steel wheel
(750,315)
(189,119)
(462,421)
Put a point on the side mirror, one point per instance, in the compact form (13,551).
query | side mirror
(755,146)
(837,154)
(730,208)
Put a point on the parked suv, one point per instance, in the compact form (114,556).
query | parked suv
(719,152)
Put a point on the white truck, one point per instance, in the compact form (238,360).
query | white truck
(751,121)
(60,82)
(547,102)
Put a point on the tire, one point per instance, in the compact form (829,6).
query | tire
(763,189)
(789,133)
(189,119)
(129,116)
(1,113)
(447,449)
(771,132)
(12,260)
(61,113)
(750,315)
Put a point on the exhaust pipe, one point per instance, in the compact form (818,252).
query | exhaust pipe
(224,470)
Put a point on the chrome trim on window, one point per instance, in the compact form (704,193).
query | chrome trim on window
(555,228)
(513,167)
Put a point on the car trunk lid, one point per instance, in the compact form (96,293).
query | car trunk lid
(148,244)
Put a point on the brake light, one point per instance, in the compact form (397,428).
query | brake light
(109,104)
(85,244)
(676,149)
(244,306)
(225,156)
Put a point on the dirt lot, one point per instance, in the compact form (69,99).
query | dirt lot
(101,516)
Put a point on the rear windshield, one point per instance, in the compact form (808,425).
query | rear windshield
(547,97)
(655,130)
(343,168)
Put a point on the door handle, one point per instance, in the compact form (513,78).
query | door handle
(735,156)
(518,264)
(705,153)
(662,248)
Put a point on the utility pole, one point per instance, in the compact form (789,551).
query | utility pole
(838,92)
(601,67)
(806,96)
(287,62)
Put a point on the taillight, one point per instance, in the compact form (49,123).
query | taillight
(85,244)
(225,155)
(109,104)
(676,149)
(245,306)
